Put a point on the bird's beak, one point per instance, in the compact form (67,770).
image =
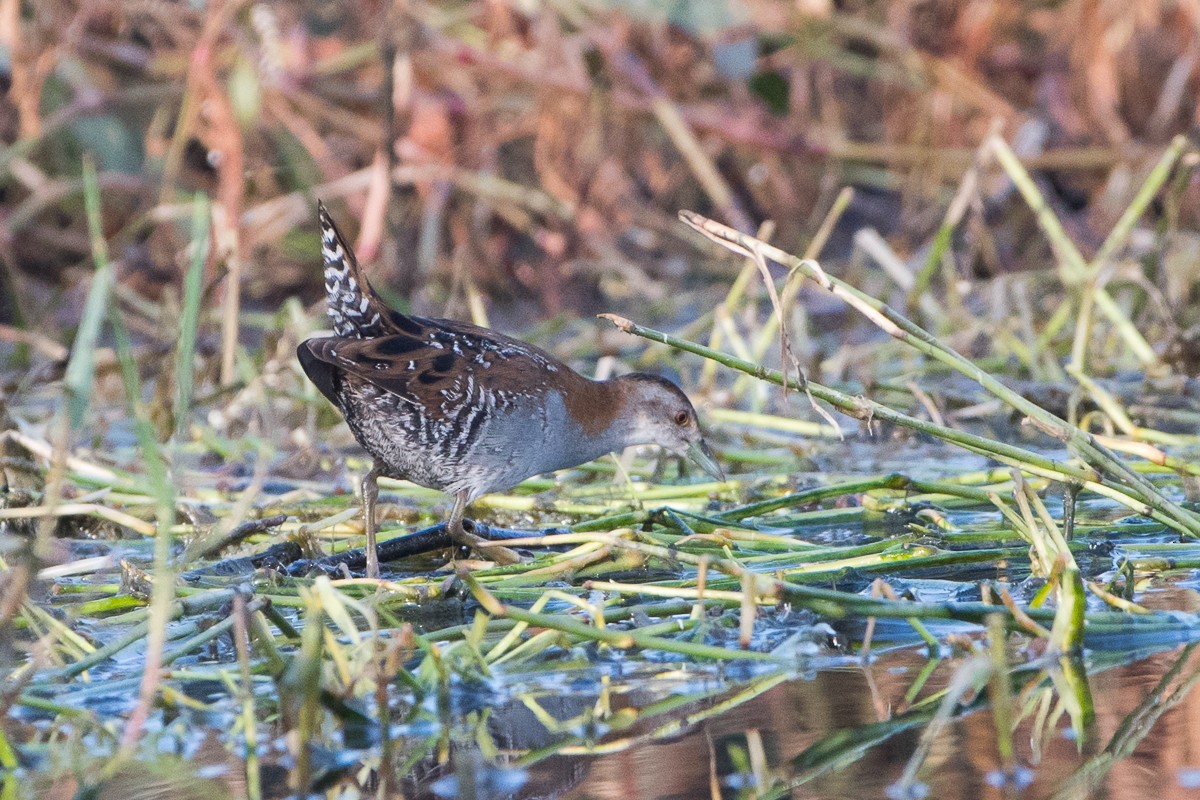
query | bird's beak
(699,452)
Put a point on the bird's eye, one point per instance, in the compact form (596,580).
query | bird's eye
(681,418)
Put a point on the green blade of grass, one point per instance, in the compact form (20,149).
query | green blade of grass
(155,467)
(185,351)
(81,369)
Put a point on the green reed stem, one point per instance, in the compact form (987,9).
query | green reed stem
(1154,506)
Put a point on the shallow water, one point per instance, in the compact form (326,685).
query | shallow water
(840,731)
(787,722)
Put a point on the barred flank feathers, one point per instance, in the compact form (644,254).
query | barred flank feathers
(354,308)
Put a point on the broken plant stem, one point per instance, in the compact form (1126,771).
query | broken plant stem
(1150,504)
(1079,442)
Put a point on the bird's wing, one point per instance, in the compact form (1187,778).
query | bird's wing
(436,363)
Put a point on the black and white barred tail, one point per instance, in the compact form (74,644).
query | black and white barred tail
(354,308)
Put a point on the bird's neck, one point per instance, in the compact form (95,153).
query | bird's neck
(601,410)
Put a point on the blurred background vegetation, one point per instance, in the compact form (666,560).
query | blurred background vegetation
(539,151)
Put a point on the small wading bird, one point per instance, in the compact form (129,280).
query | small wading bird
(466,410)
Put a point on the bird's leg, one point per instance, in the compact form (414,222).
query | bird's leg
(491,552)
(370,494)
(454,526)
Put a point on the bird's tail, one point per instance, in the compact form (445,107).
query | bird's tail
(354,308)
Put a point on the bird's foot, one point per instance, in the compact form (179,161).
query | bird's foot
(481,547)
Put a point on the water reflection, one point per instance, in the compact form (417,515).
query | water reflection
(841,733)
(839,730)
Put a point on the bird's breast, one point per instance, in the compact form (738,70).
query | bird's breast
(528,437)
